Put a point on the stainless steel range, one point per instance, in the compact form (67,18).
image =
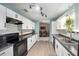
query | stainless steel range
(19,46)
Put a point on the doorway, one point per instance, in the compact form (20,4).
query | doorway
(44,30)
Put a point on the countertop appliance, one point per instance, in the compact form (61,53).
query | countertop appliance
(20,48)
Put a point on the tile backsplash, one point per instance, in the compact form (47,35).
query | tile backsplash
(74,35)
(10,28)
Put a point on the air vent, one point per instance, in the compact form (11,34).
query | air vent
(25,10)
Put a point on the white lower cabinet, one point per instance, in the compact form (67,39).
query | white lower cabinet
(56,47)
(66,53)
(60,50)
(31,41)
(7,52)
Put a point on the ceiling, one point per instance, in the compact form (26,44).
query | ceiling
(52,10)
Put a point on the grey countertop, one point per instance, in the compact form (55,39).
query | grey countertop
(27,35)
(72,46)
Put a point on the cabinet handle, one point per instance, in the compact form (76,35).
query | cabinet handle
(57,46)
(31,40)
(2,53)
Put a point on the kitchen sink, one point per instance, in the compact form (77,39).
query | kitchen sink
(67,40)
(70,44)
(64,39)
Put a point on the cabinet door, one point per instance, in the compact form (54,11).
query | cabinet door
(60,50)
(56,47)
(7,52)
(65,52)
(18,16)
(34,39)
(10,13)
(2,12)
(58,24)
(25,23)
(2,17)
(2,24)
(30,24)
(28,43)
(63,20)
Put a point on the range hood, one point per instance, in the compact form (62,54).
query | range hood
(13,21)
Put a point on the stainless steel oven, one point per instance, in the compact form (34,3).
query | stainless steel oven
(20,48)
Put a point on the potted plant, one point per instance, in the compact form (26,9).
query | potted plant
(69,25)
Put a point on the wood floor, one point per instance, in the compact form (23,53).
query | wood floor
(42,48)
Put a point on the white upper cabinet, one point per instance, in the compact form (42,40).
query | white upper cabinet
(2,12)
(2,17)
(13,14)
(61,20)
(27,24)
(18,17)
(31,25)
(10,13)
(61,23)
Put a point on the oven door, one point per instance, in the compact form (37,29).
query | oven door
(20,48)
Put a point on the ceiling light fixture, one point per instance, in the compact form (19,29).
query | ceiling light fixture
(37,8)
(45,15)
